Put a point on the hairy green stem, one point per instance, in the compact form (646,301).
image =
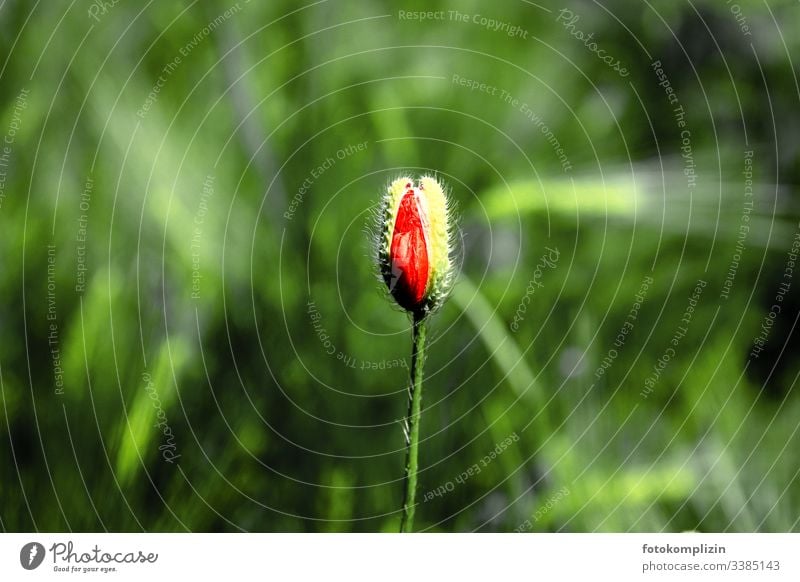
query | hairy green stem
(412,421)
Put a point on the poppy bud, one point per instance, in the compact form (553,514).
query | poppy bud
(414,244)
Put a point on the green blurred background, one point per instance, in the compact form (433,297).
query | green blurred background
(193,336)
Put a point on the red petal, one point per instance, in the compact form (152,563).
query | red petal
(409,255)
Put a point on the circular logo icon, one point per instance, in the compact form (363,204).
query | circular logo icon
(31,555)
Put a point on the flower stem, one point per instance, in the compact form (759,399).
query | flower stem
(412,421)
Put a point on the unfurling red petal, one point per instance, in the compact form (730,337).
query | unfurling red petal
(409,255)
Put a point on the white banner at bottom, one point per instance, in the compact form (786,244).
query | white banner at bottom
(395,557)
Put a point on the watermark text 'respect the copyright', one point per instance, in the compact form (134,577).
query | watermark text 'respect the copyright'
(490,24)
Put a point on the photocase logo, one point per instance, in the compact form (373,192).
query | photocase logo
(31,555)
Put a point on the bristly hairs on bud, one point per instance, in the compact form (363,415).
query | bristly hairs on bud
(437,215)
